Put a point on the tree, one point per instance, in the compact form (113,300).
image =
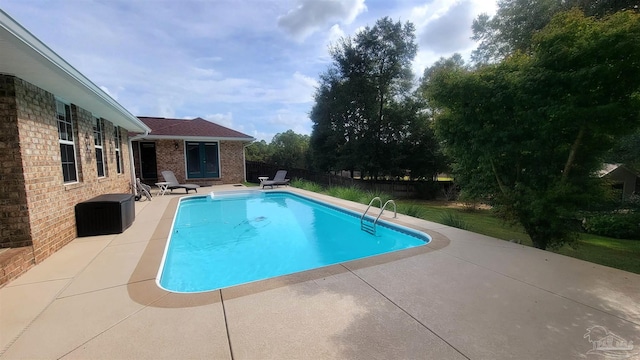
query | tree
(259,151)
(331,135)
(517,21)
(529,133)
(361,118)
(512,28)
(626,151)
(290,150)
(601,8)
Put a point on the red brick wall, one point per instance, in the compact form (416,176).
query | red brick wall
(168,158)
(14,214)
(49,202)
(15,262)
(232,161)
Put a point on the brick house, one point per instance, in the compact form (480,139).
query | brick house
(63,140)
(197,151)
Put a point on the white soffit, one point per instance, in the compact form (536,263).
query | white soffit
(24,56)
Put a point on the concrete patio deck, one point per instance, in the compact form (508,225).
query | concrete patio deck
(463,296)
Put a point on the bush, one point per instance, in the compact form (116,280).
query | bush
(367,196)
(351,193)
(450,218)
(469,201)
(306,185)
(413,210)
(615,225)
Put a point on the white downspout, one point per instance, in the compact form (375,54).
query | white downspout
(244,160)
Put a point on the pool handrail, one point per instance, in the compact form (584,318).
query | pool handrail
(371,229)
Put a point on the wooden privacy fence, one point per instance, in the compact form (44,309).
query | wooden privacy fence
(398,188)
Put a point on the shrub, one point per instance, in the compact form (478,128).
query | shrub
(450,218)
(469,202)
(306,185)
(350,193)
(615,225)
(368,195)
(411,210)
(450,191)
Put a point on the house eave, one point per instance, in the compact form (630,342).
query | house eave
(193,138)
(24,56)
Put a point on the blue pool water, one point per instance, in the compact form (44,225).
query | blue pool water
(227,239)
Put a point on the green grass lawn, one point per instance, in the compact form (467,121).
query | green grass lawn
(616,253)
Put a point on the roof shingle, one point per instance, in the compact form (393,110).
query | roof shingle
(197,127)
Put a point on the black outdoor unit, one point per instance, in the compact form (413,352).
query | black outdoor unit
(105,214)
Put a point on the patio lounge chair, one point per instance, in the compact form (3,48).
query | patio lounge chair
(143,189)
(174,184)
(277,180)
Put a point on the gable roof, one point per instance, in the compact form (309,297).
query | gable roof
(612,168)
(198,128)
(24,56)
(606,169)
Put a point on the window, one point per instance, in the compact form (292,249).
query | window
(202,160)
(66,140)
(98,139)
(117,141)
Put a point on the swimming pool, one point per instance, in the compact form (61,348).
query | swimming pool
(231,238)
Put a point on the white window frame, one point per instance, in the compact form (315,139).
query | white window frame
(98,144)
(62,109)
(117,142)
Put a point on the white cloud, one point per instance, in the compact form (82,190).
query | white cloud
(222,119)
(166,105)
(335,34)
(261,135)
(487,7)
(286,119)
(442,25)
(298,88)
(301,88)
(105,89)
(208,59)
(311,15)
(202,72)
(443,28)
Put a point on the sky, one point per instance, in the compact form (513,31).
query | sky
(251,65)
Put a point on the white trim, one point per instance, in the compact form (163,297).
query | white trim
(192,138)
(101,146)
(71,142)
(117,149)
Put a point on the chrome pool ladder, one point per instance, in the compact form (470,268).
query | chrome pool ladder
(370,226)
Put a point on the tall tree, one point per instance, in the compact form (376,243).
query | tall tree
(290,150)
(420,152)
(259,151)
(517,21)
(333,129)
(359,116)
(626,151)
(530,132)
(512,28)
